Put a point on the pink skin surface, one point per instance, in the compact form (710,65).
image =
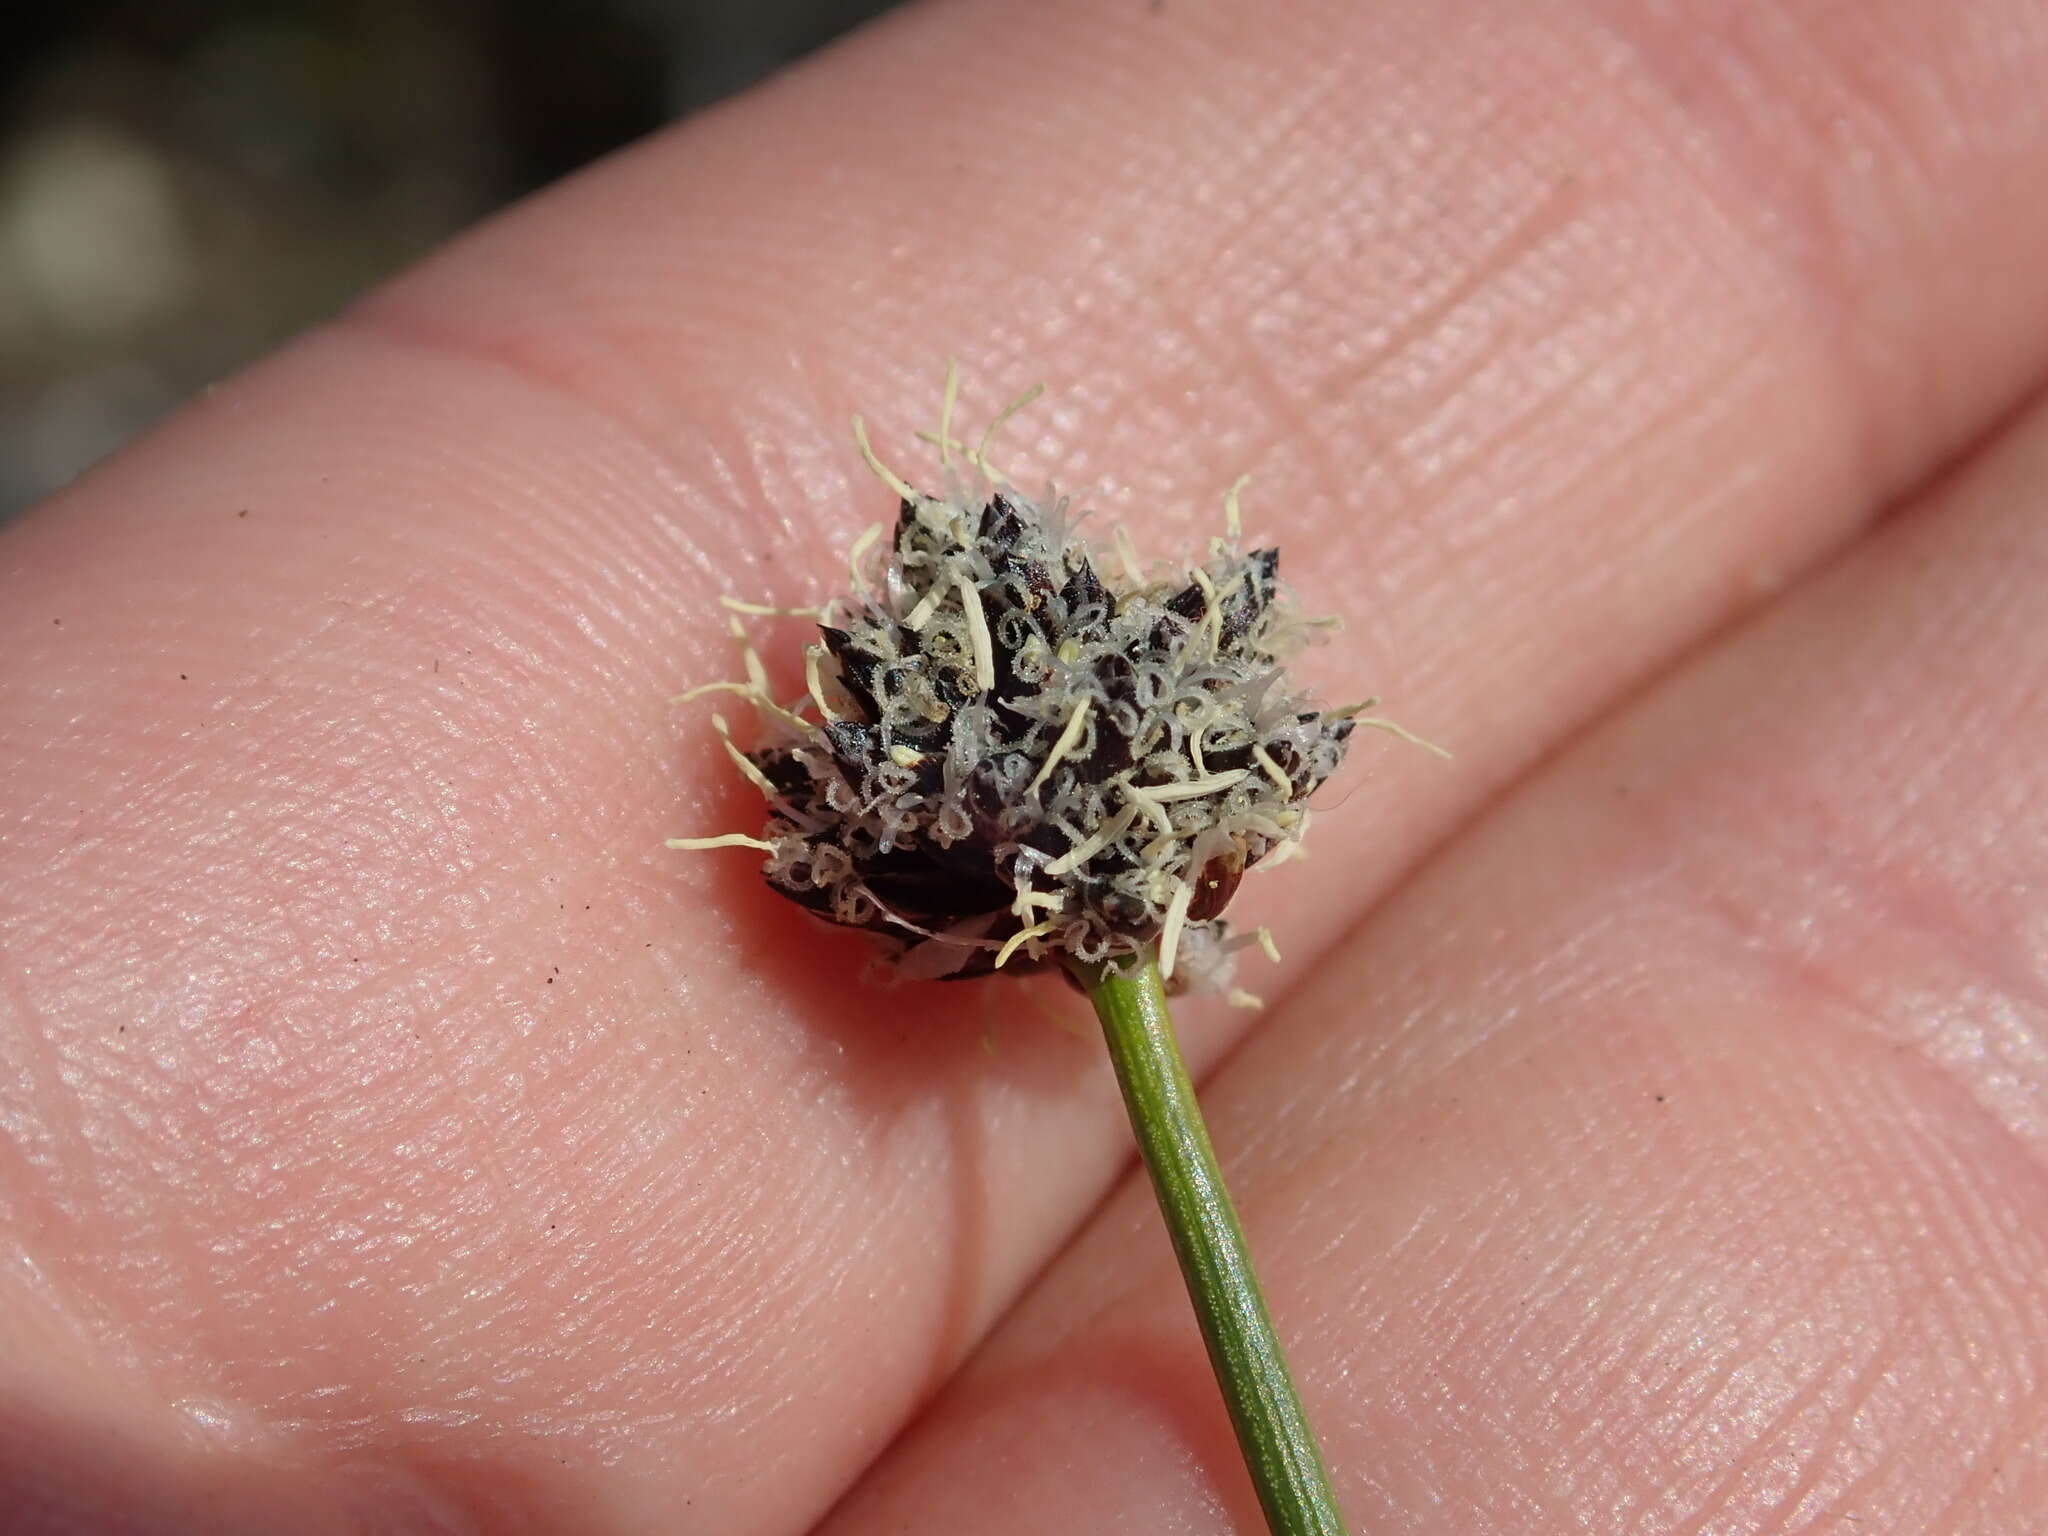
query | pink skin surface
(1648,1131)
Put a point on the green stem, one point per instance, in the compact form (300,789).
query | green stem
(1273,1431)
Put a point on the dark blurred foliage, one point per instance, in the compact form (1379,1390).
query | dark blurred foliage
(184,184)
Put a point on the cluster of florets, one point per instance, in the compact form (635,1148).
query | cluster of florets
(1012,754)
(1006,755)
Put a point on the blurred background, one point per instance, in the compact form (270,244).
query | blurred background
(184,183)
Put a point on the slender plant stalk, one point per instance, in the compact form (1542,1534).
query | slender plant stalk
(1273,1431)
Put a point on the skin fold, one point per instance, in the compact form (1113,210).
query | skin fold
(1646,1131)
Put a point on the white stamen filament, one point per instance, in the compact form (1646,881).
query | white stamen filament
(1282,853)
(1146,803)
(882,472)
(757,675)
(815,684)
(1002,417)
(702,689)
(1273,770)
(1019,939)
(978,635)
(1088,847)
(921,615)
(748,692)
(1068,738)
(723,840)
(1176,919)
(1127,555)
(1193,789)
(1380,723)
(946,403)
(854,551)
(741,761)
(763,610)
(1233,525)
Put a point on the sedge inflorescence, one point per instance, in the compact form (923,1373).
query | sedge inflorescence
(1007,753)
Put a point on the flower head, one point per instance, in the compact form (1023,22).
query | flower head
(1008,753)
